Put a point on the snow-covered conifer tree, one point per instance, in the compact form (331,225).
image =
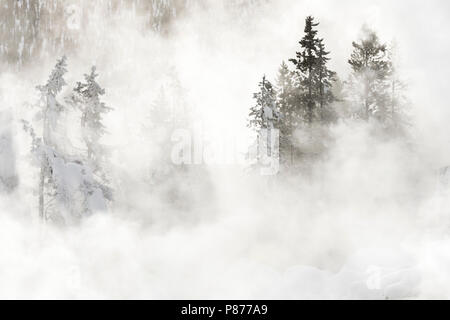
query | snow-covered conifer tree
(86,97)
(67,188)
(264,115)
(44,148)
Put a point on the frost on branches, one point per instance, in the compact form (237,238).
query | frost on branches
(68,187)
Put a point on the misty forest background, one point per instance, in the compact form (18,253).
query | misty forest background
(93,98)
(307,96)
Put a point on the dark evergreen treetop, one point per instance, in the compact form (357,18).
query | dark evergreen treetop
(306,58)
(315,79)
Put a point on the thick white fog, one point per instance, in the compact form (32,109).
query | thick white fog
(369,220)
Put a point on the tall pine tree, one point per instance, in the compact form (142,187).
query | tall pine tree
(370,70)
(264,115)
(398,109)
(315,79)
(291,117)
(46,147)
(325,79)
(305,63)
(87,98)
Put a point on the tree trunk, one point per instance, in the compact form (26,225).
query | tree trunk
(393,103)
(321,93)
(366,86)
(292,153)
(366,103)
(41,190)
(44,163)
(310,102)
(366,99)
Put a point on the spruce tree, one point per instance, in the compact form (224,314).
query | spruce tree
(398,109)
(87,95)
(325,79)
(290,114)
(305,62)
(51,109)
(87,98)
(69,186)
(370,70)
(315,79)
(264,114)
(44,146)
